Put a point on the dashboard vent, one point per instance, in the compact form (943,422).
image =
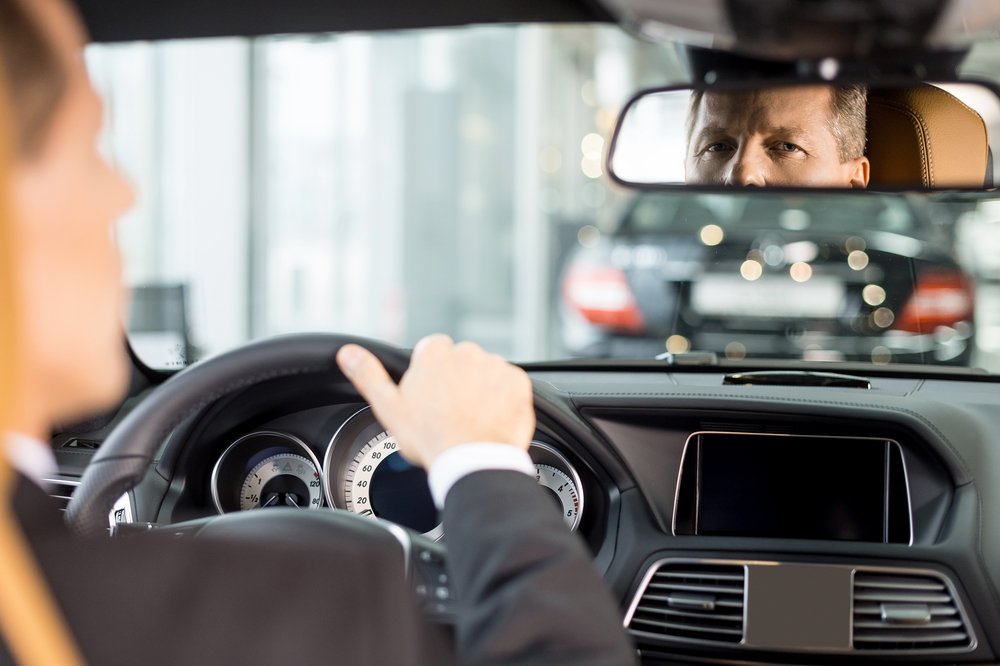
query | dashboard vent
(61,490)
(694,603)
(907,612)
(85,444)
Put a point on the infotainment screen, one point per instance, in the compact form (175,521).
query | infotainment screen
(792,487)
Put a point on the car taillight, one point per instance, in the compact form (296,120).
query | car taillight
(601,294)
(940,298)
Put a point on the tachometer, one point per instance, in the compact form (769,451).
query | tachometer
(554,473)
(562,487)
(285,479)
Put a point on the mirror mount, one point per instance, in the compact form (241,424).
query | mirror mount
(711,66)
(792,29)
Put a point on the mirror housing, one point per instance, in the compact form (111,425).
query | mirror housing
(795,134)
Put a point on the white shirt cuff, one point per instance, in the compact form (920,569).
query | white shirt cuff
(31,457)
(460,461)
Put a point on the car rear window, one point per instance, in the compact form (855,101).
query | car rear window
(653,213)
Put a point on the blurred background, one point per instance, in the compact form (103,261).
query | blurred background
(392,185)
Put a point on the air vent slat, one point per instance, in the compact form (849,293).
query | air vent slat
(719,603)
(692,603)
(689,627)
(684,587)
(903,597)
(936,637)
(61,492)
(882,582)
(934,624)
(907,613)
(870,608)
(689,576)
(694,614)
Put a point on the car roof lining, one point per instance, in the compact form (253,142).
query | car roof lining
(134,20)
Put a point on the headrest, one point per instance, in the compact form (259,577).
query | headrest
(924,137)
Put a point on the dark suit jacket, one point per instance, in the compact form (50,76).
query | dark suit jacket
(524,586)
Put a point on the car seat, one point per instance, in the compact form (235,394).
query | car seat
(925,137)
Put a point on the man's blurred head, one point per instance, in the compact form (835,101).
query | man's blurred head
(804,136)
(65,202)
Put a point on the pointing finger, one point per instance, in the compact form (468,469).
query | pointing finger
(371,380)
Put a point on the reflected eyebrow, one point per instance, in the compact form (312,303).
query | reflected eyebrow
(789,131)
(712,129)
(792,132)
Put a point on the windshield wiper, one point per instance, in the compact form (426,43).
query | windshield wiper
(795,378)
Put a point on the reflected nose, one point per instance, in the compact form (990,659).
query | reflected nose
(748,168)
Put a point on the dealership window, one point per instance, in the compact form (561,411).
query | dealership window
(387,185)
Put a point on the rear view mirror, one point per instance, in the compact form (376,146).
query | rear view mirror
(928,136)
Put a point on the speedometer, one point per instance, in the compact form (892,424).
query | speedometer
(365,473)
(380,482)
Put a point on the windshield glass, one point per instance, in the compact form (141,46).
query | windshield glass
(392,185)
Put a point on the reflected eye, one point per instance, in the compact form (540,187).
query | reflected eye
(786,147)
(718,147)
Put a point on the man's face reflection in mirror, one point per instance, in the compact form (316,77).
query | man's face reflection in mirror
(806,136)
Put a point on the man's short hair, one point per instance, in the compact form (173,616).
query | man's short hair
(848,118)
(31,69)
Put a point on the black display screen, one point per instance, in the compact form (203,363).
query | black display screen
(399,493)
(792,488)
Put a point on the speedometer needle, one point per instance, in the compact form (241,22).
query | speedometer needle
(291,500)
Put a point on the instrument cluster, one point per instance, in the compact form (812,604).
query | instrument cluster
(362,472)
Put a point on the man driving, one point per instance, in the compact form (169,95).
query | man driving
(524,587)
(803,136)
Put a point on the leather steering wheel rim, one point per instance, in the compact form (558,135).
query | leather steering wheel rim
(125,456)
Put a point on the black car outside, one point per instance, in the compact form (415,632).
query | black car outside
(859,278)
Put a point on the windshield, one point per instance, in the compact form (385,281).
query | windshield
(392,185)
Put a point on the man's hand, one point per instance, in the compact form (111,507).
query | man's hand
(452,394)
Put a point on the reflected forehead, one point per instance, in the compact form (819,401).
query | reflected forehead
(775,107)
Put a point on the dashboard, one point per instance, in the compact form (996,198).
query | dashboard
(734,524)
(362,471)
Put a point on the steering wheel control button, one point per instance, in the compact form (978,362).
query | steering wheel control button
(431,583)
(431,557)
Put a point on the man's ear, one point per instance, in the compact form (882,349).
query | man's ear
(859,172)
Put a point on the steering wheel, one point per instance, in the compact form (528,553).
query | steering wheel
(125,456)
